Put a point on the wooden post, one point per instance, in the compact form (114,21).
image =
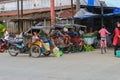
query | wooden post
(77,5)
(72,11)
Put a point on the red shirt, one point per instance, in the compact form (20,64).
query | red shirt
(116,39)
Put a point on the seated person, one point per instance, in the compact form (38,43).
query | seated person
(34,37)
(57,32)
(67,39)
(81,33)
(72,32)
(73,35)
(17,38)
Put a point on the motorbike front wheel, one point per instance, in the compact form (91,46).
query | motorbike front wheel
(13,50)
(35,51)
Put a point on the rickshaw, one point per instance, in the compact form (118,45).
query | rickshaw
(70,47)
(34,49)
(58,38)
(42,45)
(77,38)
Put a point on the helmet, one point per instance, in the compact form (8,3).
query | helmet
(3,30)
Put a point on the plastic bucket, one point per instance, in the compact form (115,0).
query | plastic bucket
(118,53)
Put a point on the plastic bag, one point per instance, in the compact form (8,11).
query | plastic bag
(61,53)
(56,52)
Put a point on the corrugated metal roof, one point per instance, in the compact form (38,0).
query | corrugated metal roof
(4,0)
(15,13)
(66,13)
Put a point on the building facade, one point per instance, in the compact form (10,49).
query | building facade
(33,10)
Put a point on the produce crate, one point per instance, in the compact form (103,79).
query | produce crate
(89,38)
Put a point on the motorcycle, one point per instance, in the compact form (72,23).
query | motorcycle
(4,44)
(18,47)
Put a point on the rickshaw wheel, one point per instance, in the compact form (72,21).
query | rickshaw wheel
(35,51)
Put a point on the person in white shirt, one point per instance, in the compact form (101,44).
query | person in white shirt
(34,37)
(6,34)
(81,33)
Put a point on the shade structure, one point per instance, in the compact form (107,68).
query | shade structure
(83,13)
(111,14)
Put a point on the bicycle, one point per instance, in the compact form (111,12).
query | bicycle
(103,45)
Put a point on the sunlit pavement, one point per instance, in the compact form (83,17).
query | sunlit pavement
(74,66)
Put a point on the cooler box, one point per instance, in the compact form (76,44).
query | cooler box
(118,53)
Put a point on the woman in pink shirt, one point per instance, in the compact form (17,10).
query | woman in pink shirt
(116,39)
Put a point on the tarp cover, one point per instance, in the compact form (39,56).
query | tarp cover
(83,13)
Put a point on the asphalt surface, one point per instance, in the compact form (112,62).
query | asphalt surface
(75,66)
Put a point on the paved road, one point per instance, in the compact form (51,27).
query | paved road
(76,66)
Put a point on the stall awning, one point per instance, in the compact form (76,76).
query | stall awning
(111,14)
(83,13)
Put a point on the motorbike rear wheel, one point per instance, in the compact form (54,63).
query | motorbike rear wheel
(13,50)
(35,51)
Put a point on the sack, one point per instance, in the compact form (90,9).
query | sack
(56,52)
(46,46)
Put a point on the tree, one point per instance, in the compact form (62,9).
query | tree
(1,29)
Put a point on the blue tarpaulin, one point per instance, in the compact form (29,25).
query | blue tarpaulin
(82,13)
(111,14)
(116,10)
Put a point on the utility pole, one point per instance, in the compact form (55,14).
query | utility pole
(18,15)
(77,5)
(72,11)
(102,12)
(52,12)
(21,15)
(21,8)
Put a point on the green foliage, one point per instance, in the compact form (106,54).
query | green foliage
(88,47)
(1,28)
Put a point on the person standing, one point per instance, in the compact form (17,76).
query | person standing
(103,34)
(116,38)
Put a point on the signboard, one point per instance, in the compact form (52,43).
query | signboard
(116,10)
(90,2)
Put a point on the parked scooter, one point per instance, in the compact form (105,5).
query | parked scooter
(18,47)
(4,45)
